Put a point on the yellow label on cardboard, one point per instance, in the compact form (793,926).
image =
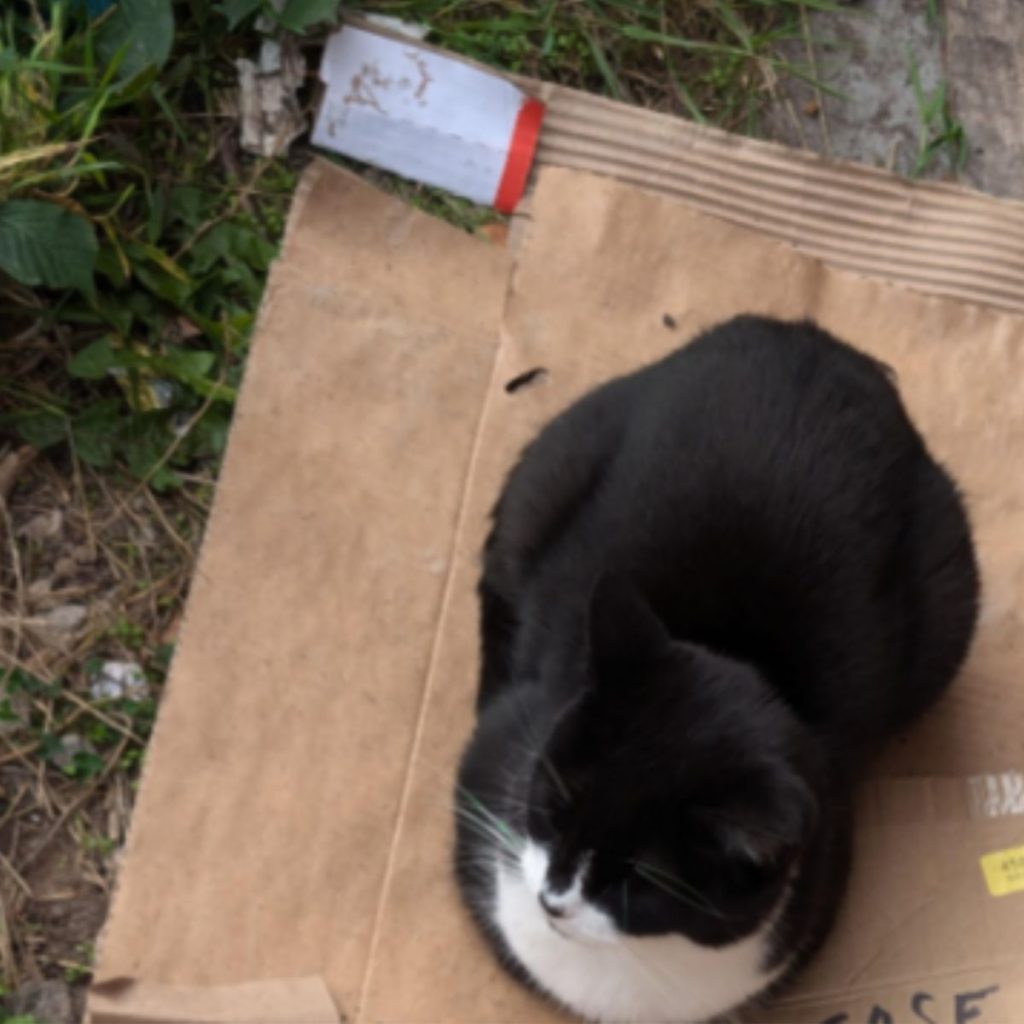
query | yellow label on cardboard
(1004,871)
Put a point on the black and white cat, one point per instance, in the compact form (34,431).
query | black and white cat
(712,589)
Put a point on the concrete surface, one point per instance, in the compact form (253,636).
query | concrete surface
(866,50)
(985,64)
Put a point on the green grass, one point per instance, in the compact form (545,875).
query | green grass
(135,241)
(135,237)
(942,140)
(712,61)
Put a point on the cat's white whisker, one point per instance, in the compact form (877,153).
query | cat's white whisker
(506,839)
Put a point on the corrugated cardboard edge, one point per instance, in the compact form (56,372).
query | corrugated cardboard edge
(934,237)
(131,996)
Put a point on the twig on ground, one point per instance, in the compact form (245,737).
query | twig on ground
(75,805)
(11,466)
(819,96)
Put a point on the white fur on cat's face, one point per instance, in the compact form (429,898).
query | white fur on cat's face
(585,962)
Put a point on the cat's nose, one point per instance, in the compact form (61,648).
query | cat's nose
(550,908)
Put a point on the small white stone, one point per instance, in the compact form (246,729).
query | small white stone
(43,526)
(116,680)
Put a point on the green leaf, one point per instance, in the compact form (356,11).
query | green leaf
(42,429)
(211,389)
(99,734)
(96,360)
(115,312)
(165,479)
(164,285)
(43,244)
(230,243)
(12,61)
(50,746)
(210,434)
(160,662)
(109,265)
(185,205)
(237,11)
(153,254)
(144,441)
(133,89)
(186,364)
(607,72)
(156,219)
(141,32)
(20,681)
(84,765)
(95,433)
(298,15)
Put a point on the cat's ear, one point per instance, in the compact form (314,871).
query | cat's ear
(767,821)
(623,631)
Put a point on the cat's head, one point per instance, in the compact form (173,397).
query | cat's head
(675,796)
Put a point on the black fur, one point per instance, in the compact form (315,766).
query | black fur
(712,589)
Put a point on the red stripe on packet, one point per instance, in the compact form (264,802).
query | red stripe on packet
(520,156)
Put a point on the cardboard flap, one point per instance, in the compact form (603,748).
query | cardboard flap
(260,841)
(296,1001)
(935,238)
(295,815)
(918,909)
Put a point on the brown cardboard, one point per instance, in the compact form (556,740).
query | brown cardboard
(294,819)
(289,1001)
(918,918)
(276,770)
(933,237)
(939,239)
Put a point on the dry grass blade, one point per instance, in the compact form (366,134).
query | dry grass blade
(34,154)
(11,466)
(76,805)
(10,871)
(8,961)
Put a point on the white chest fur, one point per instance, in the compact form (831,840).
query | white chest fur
(606,976)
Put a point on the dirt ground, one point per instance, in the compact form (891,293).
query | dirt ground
(93,577)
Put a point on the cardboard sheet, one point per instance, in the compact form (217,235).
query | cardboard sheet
(919,919)
(289,1001)
(295,815)
(276,771)
(938,239)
